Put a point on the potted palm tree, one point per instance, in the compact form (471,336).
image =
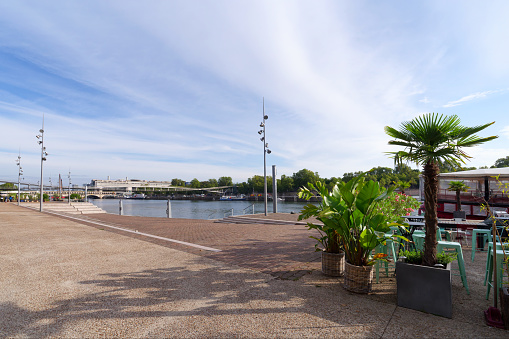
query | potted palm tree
(429,140)
(458,187)
(351,209)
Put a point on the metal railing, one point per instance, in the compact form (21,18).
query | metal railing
(252,206)
(225,214)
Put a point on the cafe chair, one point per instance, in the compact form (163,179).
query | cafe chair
(486,236)
(448,246)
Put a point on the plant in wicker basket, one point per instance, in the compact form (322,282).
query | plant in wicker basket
(351,210)
(333,257)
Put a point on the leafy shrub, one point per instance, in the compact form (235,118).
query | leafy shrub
(397,205)
(415,257)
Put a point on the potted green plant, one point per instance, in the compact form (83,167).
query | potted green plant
(413,286)
(458,187)
(351,210)
(429,140)
(329,243)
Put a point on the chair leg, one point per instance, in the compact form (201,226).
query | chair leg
(461,265)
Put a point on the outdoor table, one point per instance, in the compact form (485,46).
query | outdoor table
(415,218)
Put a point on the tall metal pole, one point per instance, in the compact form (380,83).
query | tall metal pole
(43,158)
(266,151)
(20,171)
(274,190)
(69,188)
(264,162)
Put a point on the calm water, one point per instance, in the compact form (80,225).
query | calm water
(192,209)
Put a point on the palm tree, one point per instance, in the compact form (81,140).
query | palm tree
(458,187)
(429,140)
(402,185)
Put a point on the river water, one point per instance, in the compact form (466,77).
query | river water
(192,209)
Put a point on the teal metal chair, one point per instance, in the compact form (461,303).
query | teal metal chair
(485,233)
(390,250)
(448,246)
(500,272)
(489,259)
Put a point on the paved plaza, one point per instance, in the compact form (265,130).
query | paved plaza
(105,275)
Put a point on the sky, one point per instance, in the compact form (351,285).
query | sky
(157,90)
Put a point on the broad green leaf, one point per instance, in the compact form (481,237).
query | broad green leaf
(368,239)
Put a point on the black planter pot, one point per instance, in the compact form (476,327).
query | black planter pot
(504,305)
(423,288)
(459,215)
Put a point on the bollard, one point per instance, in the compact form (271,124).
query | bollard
(168,209)
(120,208)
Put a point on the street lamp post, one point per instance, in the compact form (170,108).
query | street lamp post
(20,172)
(69,188)
(266,151)
(44,154)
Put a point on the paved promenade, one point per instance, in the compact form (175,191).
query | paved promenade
(114,276)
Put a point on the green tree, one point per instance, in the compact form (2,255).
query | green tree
(243,188)
(349,176)
(178,182)
(303,177)
(458,187)
(427,141)
(225,181)
(8,186)
(502,162)
(195,183)
(75,196)
(285,184)
(256,183)
(331,182)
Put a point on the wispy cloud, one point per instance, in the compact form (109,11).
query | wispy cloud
(474,96)
(174,89)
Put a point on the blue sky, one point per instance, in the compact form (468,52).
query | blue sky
(173,89)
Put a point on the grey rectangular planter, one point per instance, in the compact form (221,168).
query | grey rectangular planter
(423,288)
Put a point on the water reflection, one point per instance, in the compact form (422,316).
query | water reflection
(192,209)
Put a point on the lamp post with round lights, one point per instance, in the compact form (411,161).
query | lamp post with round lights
(266,151)
(44,154)
(20,172)
(69,188)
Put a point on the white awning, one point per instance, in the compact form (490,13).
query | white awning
(478,173)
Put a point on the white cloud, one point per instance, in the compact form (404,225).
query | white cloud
(470,97)
(173,89)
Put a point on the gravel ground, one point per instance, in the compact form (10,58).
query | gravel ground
(71,278)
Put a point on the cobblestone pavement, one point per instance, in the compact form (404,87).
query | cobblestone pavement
(284,251)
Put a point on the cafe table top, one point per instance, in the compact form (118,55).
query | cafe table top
(451,223)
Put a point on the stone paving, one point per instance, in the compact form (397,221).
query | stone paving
(284,251)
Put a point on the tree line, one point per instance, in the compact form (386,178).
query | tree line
(402,176)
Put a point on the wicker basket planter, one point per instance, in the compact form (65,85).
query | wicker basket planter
(333,264)
(358,279)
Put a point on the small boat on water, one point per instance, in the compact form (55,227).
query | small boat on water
(232,197)
(137,196)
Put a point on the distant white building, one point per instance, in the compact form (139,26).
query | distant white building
(128,185)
